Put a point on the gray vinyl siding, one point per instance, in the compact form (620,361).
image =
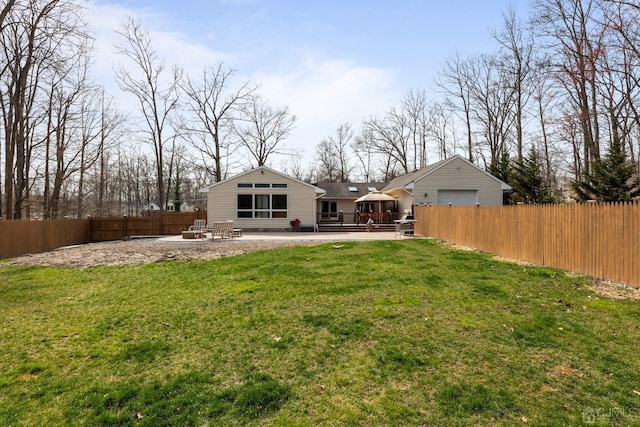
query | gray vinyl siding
(458,175)
(222,200)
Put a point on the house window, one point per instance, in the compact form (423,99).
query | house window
(262,185)
(329,209)
(279,186)
(245,206)
(262,206)
(279,205)
(245,185)
(353,189)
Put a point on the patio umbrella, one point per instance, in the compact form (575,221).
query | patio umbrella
(375,198)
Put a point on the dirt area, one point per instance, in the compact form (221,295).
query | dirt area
(148,251)
(615,290)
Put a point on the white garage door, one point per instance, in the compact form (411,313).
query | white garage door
(458,197)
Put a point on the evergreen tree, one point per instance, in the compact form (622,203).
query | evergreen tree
(529,182)
(612,178)
(502,171)
(177,204)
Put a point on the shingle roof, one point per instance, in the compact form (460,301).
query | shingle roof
(341,190)
(206,189)
(404,180)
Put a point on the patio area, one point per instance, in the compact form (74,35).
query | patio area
(289,236)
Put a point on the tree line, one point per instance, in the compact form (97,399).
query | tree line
(553,111)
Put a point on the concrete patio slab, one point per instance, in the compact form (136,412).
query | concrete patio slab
(325,236)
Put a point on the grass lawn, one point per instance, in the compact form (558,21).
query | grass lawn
(392,333)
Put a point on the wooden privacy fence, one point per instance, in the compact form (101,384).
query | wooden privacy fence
(29,237)
(166,223)
(600,240)
(21,237)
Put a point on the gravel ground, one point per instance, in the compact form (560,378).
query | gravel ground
(148,250)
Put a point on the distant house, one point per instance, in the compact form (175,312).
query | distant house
(184,206)
(152,208)
(262,199)
(454,181)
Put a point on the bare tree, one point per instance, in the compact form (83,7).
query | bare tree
(388,138)
(262,129)
(157,100)
(333,157)
(620,84)
(66,139)
(570,30)
(517,61)
(363,150)
(213,103)
(100,127)
(5,11)
(492,100)
(454,80)
(37,37)
(111,125)
(294,168)
(442,130)
(414,107)
(326,163)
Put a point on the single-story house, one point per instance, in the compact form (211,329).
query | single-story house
(454,181)
(263,199)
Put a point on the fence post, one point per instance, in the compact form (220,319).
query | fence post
(124,227)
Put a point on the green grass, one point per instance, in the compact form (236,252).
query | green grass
(377,333)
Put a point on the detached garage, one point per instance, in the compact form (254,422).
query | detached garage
(454,181)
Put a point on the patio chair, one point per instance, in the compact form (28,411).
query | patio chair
(223,229)
(198,228)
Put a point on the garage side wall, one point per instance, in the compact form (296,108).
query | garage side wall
(458,175)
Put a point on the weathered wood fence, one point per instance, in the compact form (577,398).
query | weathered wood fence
(28,237)
(166,223)
(601,240)
(25,237)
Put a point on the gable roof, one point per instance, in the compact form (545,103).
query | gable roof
(343,190)
(406,181)
(263,168)
(403,181)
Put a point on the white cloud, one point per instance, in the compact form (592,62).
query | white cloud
(322,93)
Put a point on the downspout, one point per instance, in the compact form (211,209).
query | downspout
(315,211)
(413,198)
